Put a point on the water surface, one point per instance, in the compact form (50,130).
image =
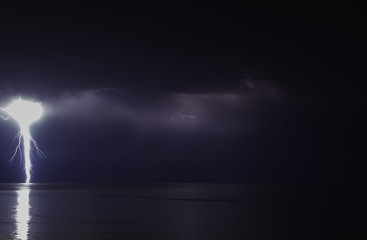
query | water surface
(163,211)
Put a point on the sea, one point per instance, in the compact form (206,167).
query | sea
(182,211)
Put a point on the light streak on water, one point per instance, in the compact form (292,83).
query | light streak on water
(22,215)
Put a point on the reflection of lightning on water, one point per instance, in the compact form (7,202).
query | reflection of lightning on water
(25,113)
(22,216)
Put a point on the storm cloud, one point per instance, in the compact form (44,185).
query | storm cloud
(210,111)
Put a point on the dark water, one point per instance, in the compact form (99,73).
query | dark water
(173,211)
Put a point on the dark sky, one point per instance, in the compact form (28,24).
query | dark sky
(179,92)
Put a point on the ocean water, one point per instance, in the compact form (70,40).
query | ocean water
(166,211)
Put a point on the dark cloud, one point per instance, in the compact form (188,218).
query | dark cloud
(212,112)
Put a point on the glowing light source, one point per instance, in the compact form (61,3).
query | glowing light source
(25,113)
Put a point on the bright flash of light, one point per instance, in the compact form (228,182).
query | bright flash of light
(25,113)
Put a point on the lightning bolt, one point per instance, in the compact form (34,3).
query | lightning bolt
(183,116)
(24,113)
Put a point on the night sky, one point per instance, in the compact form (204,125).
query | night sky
(179,92)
